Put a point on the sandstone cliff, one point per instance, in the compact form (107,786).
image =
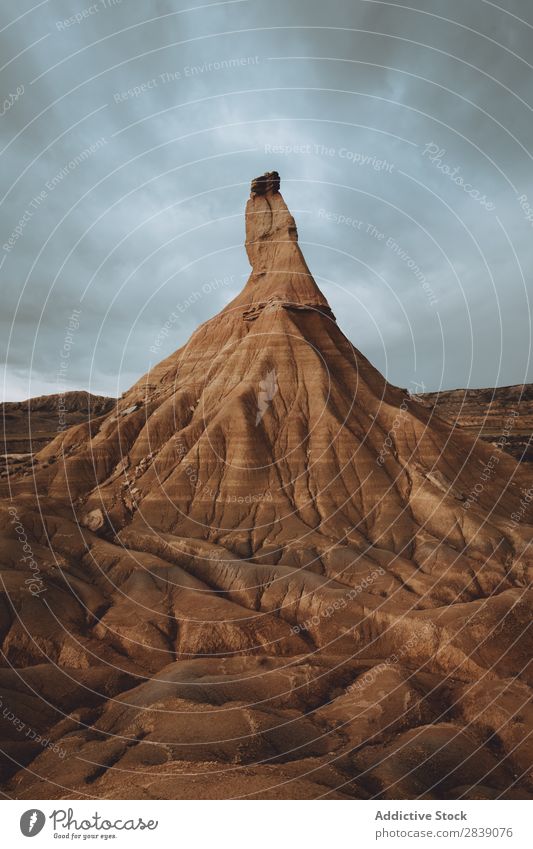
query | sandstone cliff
(27,426)
(267,572)
(501,416)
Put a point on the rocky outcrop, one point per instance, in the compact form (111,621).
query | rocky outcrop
(268,183)
(27,426)
(71,402)
(268,573)
(501,416)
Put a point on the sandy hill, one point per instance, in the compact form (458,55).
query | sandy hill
(267,572)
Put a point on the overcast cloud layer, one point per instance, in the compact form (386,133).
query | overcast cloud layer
(129,134)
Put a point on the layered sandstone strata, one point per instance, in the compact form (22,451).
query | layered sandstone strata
(259,576)
(501,416)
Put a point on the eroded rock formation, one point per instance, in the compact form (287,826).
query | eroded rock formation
(27,426)
(501,416)
(267,573)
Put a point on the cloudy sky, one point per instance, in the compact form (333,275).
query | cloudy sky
(129,133)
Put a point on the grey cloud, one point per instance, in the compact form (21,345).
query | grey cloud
(157,210)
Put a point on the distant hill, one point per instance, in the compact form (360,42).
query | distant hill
(491,414)
(27,426)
